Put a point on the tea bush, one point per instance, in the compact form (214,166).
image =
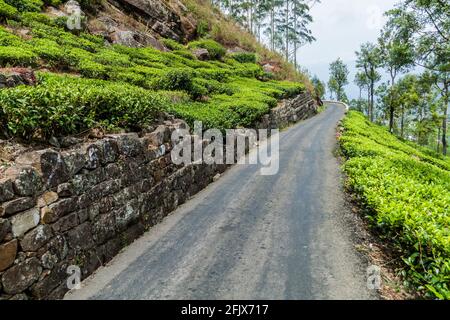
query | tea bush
(65,105)
(215,49)
(17,56)
(26,5)
(407,192)
(244,57)
(7,11)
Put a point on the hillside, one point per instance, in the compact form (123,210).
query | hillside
(405,189)
(91,77)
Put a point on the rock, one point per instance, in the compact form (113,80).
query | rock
(36,238)
(153,11)
(49,260)
(64,206)
(129,144)
(54,278)
(7,254)
(201,54)
(135,39)
(6,190)
(216,177)
(268,68)
(19,277)
(110,150)
(24,221)
(28,182)
(19,296)
(66,223)
(47,198)
(65,190)
(11,77)
(5,227)
(165,31)
(48,163)
(66,142)
(16,205)
(80,237)
(74,161)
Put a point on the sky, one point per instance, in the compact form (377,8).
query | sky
(340,27)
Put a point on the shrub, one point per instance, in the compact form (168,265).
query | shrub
(176,79)
(406,194)
(26,5)
(29,18)
(66,105)
(49,50)
(112,58)
(7,11)
(91,69)
(172,44)
(244,57)
(9,39)
(16,56)
(216,50)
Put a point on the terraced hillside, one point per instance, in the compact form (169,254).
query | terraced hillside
(85,81)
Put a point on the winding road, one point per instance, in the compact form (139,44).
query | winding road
(249,236)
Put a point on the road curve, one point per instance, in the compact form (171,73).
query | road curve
(249,236)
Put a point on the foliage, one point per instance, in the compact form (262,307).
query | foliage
(7,11)
(406,191)
(65,105)
(338,78)
(244,57)
(216,50)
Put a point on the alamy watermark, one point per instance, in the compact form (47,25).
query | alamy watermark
(373,277)
(74,279)
(215,147)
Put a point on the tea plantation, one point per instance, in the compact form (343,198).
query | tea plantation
(406,191)
(87,83)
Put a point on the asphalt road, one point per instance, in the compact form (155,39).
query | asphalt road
(249,236)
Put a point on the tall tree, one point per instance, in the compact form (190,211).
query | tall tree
(396,54)
(362,82)
(368,61)
(319,87)
(339,77)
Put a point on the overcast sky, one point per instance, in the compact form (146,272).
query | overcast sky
(340,27)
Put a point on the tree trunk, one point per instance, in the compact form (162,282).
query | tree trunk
(402,123)
(438,141)
(444,123)
(372,89)
(287,29)
(391,106)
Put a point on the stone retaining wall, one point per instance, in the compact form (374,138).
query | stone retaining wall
(82,205)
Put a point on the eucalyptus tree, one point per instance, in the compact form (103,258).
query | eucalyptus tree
(396,54)
(338,77)
(362,82)
(368,62)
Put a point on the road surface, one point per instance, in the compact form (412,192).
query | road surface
(249,236)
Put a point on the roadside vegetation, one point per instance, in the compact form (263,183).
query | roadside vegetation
(405,191)
(85,83)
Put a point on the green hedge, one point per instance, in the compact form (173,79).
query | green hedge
(66,105)
(407,192)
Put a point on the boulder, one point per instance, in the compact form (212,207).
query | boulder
(7,254)
(201,54)
(12,77)
(19,277)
